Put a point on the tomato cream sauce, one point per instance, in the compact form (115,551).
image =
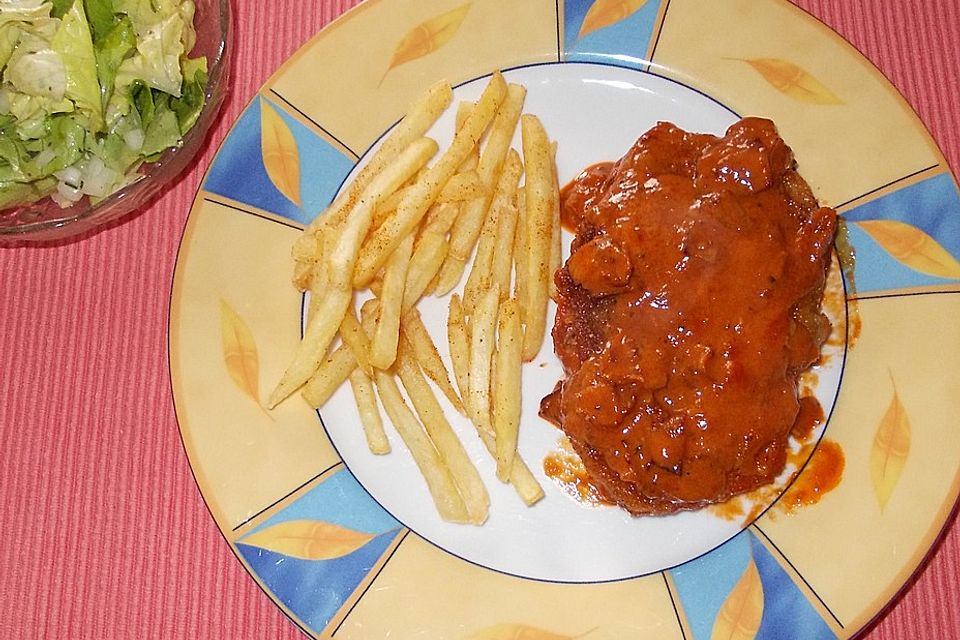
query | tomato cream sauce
(687,311)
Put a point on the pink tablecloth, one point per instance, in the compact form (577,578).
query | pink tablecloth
(105,534)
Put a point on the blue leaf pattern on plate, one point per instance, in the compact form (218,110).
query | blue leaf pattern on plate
(704,584)
(623,43)
(238,171)
(314,590)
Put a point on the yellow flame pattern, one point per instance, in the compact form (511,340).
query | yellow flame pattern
(604,13)
(239,352)
(912,247)
(281,158)
(742,612)
(427,37)
(891,447)
(517,632)
(793,81)
(309,539)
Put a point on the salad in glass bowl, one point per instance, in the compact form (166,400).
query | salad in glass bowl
(101,101)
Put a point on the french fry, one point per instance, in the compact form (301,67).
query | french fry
(520,249)
(421,116)
(388,207)
(319,278)
(507,383)
(324,322)
(539,197)
(439,480)
(479,279)
(418,119)
(503,249)
(383,346)
(464,235)
(475,499)
(366,401)
(307,252)
(332,372)
(342,362)
(481,273)
(427,356)
(482,339)
(459,343)
(411,325)
(461,186)
(522,479)
(413,207)
(321,329)
(440,218)
(304,248)
(302,274)
(355,338)
(393,200)
(501,135)
(464,109)
(451,450)
(424,265)
(369,311)
(429,250)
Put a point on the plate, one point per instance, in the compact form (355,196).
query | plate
(348,544)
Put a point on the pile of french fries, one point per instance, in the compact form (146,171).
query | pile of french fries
(406,228)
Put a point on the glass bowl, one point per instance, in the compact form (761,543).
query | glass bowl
(45,220)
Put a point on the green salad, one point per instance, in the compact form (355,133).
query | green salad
(91,89)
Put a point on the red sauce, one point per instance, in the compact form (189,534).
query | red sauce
(566,468)
(687,311)
(821,475)
(822,467)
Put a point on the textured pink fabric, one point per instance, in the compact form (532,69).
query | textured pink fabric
(104,531)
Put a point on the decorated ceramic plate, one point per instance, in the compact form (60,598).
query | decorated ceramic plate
(349,544)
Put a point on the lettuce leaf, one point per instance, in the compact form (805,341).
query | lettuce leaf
(74,44)
(20,193)
(159,47)
(66,139)
(14,159)
(20,16)
(111,50)
(162,133)
(101,18)
(35,69)
(192,98)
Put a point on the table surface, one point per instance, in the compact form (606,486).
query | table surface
(107,535)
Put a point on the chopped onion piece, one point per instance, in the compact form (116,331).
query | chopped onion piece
(68,192)
(70,177)
(98,179)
